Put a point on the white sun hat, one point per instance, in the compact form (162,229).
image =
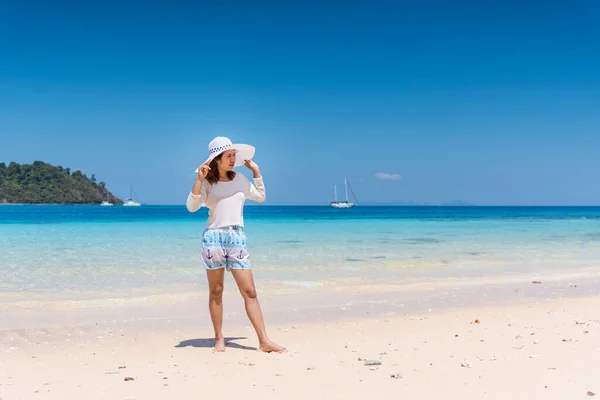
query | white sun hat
(220,144)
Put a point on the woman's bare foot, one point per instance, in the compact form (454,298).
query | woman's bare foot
(270,347)
(219,345)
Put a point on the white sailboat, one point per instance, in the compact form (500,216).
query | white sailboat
(130,202)
(342,204)
(107,201)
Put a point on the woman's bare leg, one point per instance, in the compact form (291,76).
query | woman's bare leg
(245,282)
(215,305)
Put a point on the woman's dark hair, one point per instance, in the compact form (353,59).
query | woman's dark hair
(213,173)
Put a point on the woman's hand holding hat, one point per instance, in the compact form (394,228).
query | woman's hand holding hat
(203,171)
(252,166)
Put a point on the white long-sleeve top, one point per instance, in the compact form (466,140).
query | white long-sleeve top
(225,200)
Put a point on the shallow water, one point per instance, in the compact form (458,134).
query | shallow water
(78,252)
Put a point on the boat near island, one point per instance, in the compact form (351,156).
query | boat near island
(131,201)
(107,201)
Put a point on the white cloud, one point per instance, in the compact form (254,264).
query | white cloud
(388,177)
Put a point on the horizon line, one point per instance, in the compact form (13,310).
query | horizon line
(319,205)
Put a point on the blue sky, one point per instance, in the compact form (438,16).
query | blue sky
(495,103)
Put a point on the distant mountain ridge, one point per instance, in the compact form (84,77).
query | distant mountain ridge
(42,183)
(455,203)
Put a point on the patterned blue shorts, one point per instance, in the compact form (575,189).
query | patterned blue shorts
(225,248)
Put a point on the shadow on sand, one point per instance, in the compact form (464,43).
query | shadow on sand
(210,342)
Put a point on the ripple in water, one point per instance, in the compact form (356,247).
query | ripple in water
(423,240)
(592,236)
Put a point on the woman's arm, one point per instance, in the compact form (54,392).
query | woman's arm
(256,191)
(197,196)
(198,193)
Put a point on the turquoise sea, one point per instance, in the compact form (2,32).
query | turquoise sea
(85,252)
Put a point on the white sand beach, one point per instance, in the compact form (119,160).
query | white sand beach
(446,339)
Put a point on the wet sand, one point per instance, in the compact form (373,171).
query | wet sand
(497,338)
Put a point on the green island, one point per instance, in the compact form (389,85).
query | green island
(42,183)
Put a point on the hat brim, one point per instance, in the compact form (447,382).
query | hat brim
(243,152)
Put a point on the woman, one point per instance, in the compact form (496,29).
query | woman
(224,192)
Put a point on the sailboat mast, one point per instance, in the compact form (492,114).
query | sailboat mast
(335,192)
(346,186)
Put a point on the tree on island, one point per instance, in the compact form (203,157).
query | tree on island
(42,183)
